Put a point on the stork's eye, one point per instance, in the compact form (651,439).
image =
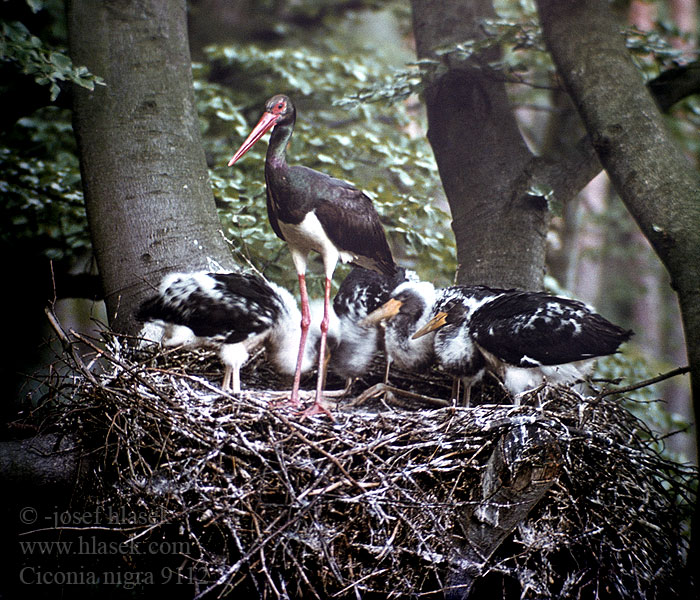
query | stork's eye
(280,106)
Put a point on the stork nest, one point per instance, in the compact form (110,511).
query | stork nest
(563,496)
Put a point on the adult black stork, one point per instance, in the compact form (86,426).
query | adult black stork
(312,211)
(408,309)
(235,311)
(361,292)
(525,338)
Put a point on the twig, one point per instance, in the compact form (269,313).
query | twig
(641,384)
(69,346)
(380,388)
(256,493)
(320,450)
(130,369)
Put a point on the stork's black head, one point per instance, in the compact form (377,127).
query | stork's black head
(282,108)
(415,303)
(279,110)
(412,307)
(450,311)
(410,302)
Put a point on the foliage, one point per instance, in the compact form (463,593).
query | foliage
(47,66)
(523,58)
(42,201)
(652,50)
(356,111)
(42,207)
(41,180)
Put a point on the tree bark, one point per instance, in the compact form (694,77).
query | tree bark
(648,171)
(500,228)
(150,207)
(524,465)
(48,463)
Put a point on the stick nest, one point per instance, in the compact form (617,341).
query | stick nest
(377,503)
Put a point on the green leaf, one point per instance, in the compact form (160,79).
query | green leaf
(61,61)
(35,5)
(326,159)
(31,56)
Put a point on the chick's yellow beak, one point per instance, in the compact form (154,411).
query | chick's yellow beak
(386,311)
(439,320)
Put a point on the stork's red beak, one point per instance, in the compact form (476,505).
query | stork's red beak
(266,122)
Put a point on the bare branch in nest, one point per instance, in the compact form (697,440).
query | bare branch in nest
(553,498)
(68,345)
(379,389)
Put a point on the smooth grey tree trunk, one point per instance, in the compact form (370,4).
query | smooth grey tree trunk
(493,183)
(149,203)
(499,229)
(649,172)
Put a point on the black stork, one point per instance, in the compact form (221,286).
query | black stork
(313,211)
(360,293)
(525,338)
(236,312)
(408,309)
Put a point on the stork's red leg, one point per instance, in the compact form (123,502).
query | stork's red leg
(305,322)
(318,407)
(324,336)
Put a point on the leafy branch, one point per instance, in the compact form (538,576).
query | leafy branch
(48,66)
(524,60)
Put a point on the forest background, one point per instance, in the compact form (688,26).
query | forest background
(352,70)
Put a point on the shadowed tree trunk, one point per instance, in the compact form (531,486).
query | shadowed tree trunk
(149,203)
(494,184)
(483,160)
(649,172)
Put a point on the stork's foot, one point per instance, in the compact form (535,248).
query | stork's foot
(317,408)
(232,390)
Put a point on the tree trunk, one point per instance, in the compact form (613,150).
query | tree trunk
(500,228)
(150,207)
(44,464)
(649,172)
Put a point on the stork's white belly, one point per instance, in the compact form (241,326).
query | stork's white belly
(308,236)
